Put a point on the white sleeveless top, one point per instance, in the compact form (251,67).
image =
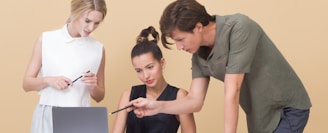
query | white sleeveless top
(63,55)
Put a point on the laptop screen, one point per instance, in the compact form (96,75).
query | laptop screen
(80,120)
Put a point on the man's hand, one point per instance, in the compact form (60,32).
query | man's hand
(145,107)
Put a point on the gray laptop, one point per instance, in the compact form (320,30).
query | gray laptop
(80,120)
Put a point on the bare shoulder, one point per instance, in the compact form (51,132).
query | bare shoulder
(126,93)
(181,93)
(37,51)
(125,98)
(38,41)
(104,50)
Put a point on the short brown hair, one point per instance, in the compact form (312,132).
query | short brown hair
(183,15)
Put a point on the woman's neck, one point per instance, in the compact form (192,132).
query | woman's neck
(156,91)
(71,30)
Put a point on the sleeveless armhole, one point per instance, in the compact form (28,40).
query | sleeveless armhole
(138,91)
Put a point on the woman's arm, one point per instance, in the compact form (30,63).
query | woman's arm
(121,117)
(187,121)
(98,83)
(32,82)
(232,84)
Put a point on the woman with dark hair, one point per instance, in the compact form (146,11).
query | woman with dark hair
(149,63)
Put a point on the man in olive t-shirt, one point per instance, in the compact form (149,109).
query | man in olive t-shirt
(235,50)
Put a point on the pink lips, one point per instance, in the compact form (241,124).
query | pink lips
(87,33)
(149,81)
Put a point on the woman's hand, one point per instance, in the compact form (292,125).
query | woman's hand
(58,82)
(90,80)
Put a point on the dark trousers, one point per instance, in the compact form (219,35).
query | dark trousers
(292,120)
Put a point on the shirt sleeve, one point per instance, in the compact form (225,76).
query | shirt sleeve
(243,42)
(196,68)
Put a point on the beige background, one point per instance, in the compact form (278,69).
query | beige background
(298,27)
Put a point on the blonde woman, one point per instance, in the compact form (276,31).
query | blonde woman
(61,56)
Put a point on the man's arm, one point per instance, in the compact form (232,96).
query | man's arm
(193,102)
(232,84)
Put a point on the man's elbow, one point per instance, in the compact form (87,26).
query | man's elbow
(198,106)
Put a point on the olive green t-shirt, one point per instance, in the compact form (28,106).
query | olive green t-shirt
(270,84)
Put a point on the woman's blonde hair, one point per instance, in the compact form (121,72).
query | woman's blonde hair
(78,7)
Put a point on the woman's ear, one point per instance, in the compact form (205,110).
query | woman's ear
(162,62)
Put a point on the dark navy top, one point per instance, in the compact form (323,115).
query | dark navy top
(160,123)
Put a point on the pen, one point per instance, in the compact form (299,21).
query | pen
(79,77)
(121,109)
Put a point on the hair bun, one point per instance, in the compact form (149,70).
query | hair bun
(142,39)
(143,36)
